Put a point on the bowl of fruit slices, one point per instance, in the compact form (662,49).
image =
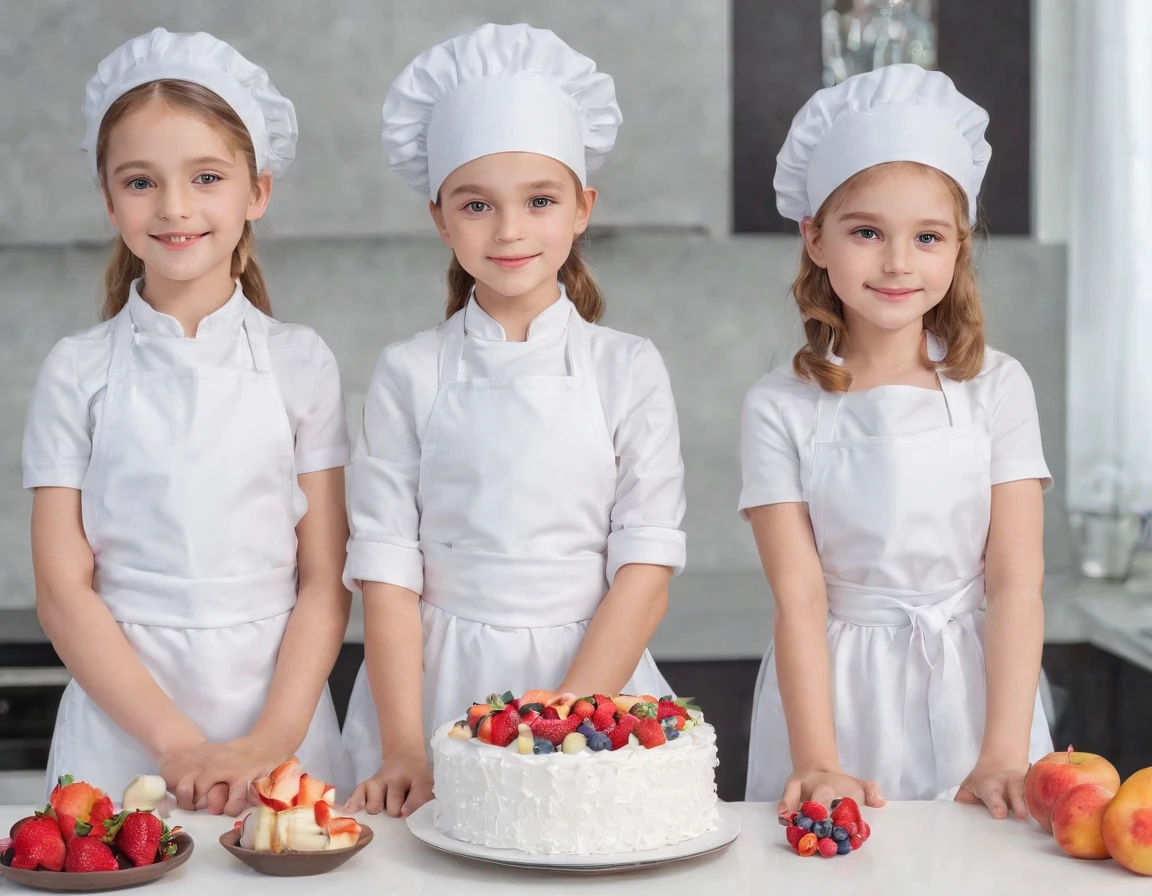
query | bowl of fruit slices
(833,830)
(293,829)
(79,844)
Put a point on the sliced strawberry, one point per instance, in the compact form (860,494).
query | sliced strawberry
(311,791)
(604,717)
(554,730)
(323,812)
(618,734)
(550,712)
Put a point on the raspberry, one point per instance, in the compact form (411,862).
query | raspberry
(807,845)
(795,835)
(865,830)
(814,811)
(827,847)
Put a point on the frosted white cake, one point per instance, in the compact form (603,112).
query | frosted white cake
(588,803)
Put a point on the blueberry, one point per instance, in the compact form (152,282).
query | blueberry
(671,734)
(543,746)
(586,729)
(843,847)
(822,828)
(838,833)
(804,822)
(599,741)
(835,803)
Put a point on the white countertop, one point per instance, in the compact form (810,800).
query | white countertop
(916,848)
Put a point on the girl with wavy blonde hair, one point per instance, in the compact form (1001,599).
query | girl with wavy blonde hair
(893,474)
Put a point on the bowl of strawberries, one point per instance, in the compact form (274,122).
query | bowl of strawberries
(80,843)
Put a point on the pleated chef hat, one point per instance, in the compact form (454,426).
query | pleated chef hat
(497,88)
(898,113)
(202,59)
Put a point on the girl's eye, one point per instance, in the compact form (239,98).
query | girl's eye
(477,207)
(138,183)
(927,239)
(866,233)
(206,180)
(541,202)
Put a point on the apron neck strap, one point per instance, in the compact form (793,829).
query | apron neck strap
(955,399)
(577,354)
(121,341)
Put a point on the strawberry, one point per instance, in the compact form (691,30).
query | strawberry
(554,730)
(604,717)
(814,810)
(826,846)
(644,710)
(846,810)
(851,828)
(504,727)
(38,844)
(865,830)
(619,733)
(550,712)
(601,700)
(666,708)
(794,835)
(143,837)
(584,708)
(89,854)
(74,802)
(528,716)
(855,842)
(650,734)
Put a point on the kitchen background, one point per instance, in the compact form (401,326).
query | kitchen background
(691,253)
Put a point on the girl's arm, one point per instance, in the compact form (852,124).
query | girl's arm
(1013,644)
(620,631)
(89,640)
(787,550)
(394,653)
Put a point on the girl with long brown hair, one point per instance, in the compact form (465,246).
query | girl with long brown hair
(893,473)
(518,491)
(188,524)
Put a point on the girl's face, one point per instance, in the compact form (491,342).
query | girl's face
(179,194)
(889,246)
(511,218)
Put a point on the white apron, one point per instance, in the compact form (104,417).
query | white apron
(190,504)
(901,525)
(517,483)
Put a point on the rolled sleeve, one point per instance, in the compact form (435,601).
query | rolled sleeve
(385,473)
(769,460)
(322,431)
(58,432)
(650,501)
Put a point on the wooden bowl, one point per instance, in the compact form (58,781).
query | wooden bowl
(291,863)
(92,881)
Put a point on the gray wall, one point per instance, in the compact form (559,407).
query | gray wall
(717,309)
(335,61)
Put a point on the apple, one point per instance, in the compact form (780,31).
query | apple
(1078,820)
(1128,823)
(1050,777)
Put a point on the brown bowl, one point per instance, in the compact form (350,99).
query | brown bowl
(291,863)
(91,881)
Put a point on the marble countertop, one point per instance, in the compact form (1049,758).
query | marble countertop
(915,848)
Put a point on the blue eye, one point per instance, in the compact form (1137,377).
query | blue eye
(866,233)
(139,183)
(200,179)
(927,239)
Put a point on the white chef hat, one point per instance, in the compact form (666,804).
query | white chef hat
(898,113)
(497,88)
(202,59)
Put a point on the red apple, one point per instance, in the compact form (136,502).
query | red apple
(1078,819)
(1049,777)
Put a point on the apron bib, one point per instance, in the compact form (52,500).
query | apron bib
(892,517)
(517,483)
(190,505)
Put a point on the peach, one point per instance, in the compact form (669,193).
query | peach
(1128,823)
(1050,777)
(1078,818)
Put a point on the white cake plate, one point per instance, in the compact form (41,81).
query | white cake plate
(422,824)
